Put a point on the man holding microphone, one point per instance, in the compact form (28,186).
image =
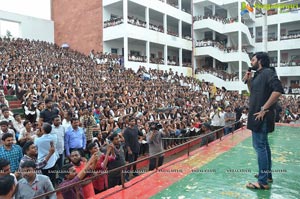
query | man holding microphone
(265,89)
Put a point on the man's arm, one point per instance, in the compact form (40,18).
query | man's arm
(67,144)
(272,99)
(83,139)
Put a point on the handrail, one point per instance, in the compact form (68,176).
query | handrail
(91,178)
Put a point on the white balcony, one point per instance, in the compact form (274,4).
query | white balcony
(224,28)
(221,55)
(288,44)
(140,33)
(218,2)
(288,71)
(278,18)
(229,85)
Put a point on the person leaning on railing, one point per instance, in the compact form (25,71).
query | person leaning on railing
(70,176)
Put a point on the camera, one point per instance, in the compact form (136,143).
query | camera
(155,126)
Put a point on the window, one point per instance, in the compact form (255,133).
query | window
(114,51)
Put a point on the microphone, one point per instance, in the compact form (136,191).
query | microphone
(249,70)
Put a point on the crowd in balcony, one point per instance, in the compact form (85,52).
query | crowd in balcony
(219,45)
(218,73)
(137,22)
(188,37)
(137,58)
(173,33)
(157,28)
(172,62)
(113,22)
(217,18)
(290,36)
(76,107)
(157,60)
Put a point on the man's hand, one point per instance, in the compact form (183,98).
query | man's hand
(260,115)
(52,148)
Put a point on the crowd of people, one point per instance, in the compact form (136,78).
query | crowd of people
(218,73)
(219,45)
(217,18)
(290,36)
(113,22)
(158,28)
(137,22)
(136,58)
(82,114)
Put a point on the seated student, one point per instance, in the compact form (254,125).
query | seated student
(101,183)
(70,176)
(33,184)
(8,187)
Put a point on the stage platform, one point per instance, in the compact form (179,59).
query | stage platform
(222,170)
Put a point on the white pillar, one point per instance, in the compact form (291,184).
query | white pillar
(214,35)
(148,51)
(278,58)
(125,11)
(180,29)
(125,51)
(239,8)
(278,31)
(213,9)
(179,5)
(165,23)
(166,55)
(147,17)
(265,29)
(214,63)
(180,57)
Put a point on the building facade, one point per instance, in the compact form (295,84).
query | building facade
(225,37)
(22,26)
(152,33)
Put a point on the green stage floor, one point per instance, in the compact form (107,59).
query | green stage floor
(227,175)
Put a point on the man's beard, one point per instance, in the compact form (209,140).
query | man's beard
(255,66)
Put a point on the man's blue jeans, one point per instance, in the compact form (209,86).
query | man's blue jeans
(262,148)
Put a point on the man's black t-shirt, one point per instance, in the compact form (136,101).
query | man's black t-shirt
(264,82)
(48,115)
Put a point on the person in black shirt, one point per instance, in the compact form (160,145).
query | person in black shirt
(114,178)
(265,89)
(131,135)
(49,112)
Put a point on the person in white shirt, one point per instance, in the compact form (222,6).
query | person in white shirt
(59,131)
(18,123)
(244,117)
(4,129)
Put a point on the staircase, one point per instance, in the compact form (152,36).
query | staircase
(15,105)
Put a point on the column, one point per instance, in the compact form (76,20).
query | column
(213,9)
(254,32)
(165,23)
(148,51)
(180,28)
(125,44)
(239,8)
(179,5)
(166,55)
(180,57)
(214,63)
(265,29)
(278,31)
(278,58)
(125,11)
(147,17)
